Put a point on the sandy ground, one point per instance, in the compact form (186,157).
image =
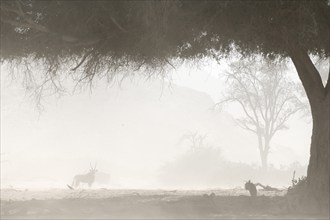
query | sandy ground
(144,204)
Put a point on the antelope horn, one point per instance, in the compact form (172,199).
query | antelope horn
(95,166)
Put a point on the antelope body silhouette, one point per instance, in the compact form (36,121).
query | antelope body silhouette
(84,178)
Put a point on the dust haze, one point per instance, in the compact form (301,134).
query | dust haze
(147,140)
(138,135)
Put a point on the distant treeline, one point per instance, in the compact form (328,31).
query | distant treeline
(206,168)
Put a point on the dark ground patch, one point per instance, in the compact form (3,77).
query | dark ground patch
(150,205)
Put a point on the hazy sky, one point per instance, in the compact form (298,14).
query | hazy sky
(131,132)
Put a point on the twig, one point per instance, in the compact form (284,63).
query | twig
(293,178)
(170,64)
(82,61)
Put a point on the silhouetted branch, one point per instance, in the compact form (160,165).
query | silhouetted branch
(82,60)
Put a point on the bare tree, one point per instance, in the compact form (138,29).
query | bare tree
(267,97)
(196,140)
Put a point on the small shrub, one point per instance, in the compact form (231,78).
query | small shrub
(298,186)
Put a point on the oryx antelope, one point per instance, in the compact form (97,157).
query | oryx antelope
(84,178)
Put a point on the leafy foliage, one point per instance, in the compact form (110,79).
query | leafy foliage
(101,35)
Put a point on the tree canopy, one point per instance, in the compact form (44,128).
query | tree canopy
(103,35)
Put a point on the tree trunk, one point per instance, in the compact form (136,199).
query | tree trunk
(317,191)
(318,168)
(264,160)
(263,150)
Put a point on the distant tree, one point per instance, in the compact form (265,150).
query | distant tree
(267,96)
(199,165)
(195,139)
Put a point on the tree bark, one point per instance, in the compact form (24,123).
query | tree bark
(318,168)
(317,191)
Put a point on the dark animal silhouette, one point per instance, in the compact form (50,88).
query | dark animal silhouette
(251,187)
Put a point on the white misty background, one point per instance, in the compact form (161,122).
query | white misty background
(133,132)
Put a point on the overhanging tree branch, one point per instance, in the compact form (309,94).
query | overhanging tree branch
(308,74)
